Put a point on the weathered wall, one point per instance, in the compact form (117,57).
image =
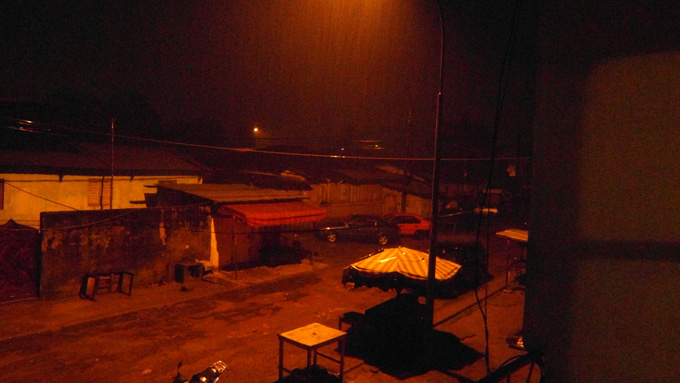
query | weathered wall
(237,243)
(602,280)
(341,200)
(240,246)
(28,195)
(147,242)
(414,204)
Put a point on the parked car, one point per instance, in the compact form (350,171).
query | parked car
(410,224)
(360,227)
(472,260)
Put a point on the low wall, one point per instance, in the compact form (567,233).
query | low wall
(147,242)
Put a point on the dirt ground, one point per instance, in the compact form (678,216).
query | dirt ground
(239,321)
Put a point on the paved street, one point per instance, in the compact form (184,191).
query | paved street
(235,319)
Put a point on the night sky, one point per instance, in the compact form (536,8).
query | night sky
(307,71)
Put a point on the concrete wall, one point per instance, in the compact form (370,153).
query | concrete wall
(240,246)
(147,242)
(602,282)
(343,199)
(236,243)
(414,204)
(27,195)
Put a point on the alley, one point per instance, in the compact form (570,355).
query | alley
(238,325)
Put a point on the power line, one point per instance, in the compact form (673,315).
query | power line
(308,155)
(500,97)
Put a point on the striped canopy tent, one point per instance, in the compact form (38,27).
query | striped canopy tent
(399,268)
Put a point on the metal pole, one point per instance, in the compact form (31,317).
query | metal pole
(432,265)
(113,134)
(234,247)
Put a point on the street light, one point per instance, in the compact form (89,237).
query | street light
(256,133)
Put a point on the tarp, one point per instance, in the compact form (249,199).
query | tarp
(518,235)
(398,268)
(277,213)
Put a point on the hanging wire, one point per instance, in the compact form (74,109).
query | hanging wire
(41,197)
(294,154)
(500,98)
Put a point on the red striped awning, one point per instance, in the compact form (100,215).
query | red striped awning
(275,214)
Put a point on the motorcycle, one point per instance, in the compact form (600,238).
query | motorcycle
(209,375)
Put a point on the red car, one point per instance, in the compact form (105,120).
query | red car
(409,224)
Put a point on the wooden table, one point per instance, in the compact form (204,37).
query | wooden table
(311,337)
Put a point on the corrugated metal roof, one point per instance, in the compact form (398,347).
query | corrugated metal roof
(226,193)
(95,159)
(369,174)
(137,158)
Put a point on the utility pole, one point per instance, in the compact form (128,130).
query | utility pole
(432,264)
(113,134)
